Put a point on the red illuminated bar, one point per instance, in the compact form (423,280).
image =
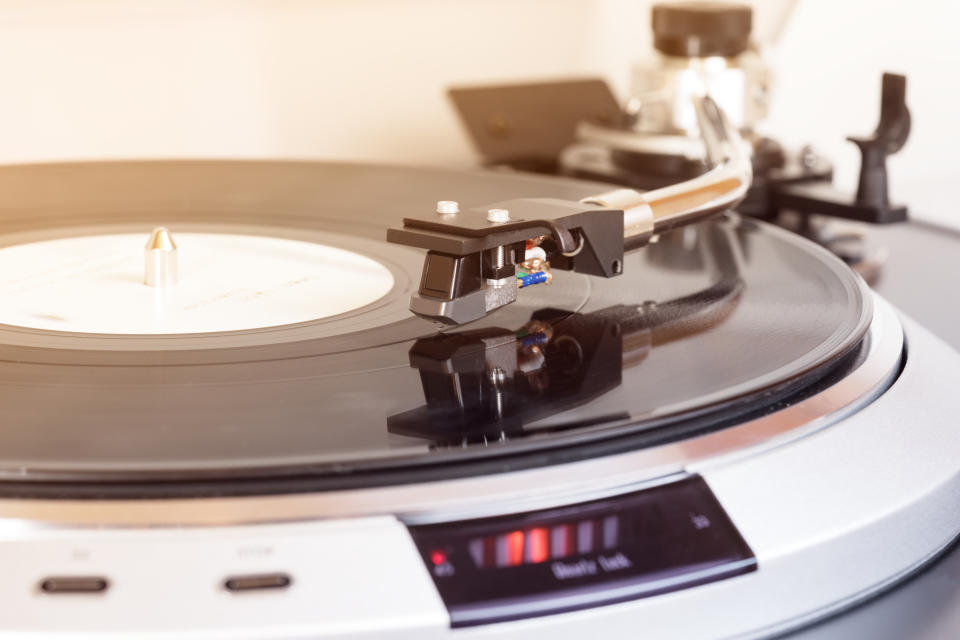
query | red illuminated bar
(538,545)
(515,544)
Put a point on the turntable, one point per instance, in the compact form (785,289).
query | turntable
(232,408)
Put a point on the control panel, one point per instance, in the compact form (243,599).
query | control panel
(661,539)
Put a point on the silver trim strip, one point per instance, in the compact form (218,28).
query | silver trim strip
(508,492)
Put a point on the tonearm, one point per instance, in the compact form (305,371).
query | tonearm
(471,266)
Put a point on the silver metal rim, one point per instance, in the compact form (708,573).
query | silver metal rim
(507,492)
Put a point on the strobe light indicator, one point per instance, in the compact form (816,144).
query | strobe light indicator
(638,544)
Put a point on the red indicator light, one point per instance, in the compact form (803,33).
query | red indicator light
(438,557)
(514,548)
(539,546)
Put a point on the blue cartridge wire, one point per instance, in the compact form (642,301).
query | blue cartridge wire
(533,278)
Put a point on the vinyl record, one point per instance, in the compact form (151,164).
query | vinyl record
(712,322)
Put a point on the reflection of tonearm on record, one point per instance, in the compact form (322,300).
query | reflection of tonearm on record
(489,384)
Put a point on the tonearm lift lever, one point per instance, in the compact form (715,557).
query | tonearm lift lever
(472,255)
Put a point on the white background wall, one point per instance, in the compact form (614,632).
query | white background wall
(365,79)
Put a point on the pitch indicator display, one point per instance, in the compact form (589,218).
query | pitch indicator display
(662,539)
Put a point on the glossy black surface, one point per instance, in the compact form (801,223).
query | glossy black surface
(729,314)
(662,539)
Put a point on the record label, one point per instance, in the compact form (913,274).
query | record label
(226,282)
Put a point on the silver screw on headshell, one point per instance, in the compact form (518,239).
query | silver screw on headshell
(448,207)
(498,215)
(498,260)
(499,257)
